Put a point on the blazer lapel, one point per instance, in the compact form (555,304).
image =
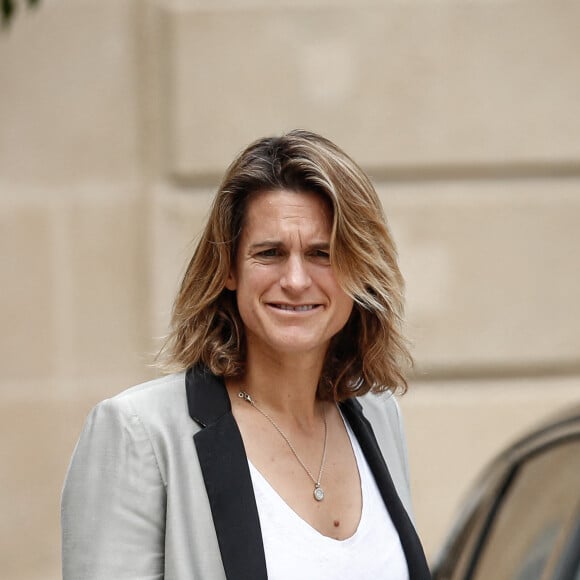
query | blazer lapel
(226,474)
(416,561)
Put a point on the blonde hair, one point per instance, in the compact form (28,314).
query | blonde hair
(370,352)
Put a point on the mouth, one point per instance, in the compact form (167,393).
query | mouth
(294,307)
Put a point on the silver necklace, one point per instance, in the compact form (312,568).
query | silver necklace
(318,491)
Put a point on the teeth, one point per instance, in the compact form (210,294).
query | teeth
(296,308)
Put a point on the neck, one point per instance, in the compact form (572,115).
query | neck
(283,387)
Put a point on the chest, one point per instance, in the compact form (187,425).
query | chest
(295,549)
(295,465)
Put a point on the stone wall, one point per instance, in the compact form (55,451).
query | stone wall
(117,119)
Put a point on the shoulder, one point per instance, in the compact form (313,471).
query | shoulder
(154,403)
(383,413)
(382,407)
(143,421)
(155,390)
(159,404)
(161,397)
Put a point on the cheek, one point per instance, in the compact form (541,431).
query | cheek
(335,288)
(345,301)
(248,294)
(346,306)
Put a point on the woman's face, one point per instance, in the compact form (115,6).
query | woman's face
(287,294)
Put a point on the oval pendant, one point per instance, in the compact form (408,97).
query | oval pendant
(318,493)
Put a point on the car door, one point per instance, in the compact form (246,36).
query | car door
(527,527)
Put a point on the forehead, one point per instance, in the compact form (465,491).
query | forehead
(281,209)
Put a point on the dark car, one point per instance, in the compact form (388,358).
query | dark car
(521,520)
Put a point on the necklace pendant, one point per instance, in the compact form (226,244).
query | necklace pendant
(318,493)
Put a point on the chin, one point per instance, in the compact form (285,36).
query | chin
(299,347)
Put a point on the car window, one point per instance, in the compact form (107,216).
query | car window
(567,565)
(536,512)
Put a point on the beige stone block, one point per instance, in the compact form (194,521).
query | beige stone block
(108,329)
(455,428)
(178,217)
(397,84)
(70,102)
(74,291)
(493,273)
(36,441)
(28,340)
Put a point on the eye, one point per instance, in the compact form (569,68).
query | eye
(322,255)
(268,253)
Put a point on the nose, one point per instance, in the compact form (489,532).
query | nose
(295,276)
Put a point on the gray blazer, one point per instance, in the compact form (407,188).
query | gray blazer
(159,485)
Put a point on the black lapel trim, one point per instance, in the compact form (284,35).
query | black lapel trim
(416,561)
(224,465)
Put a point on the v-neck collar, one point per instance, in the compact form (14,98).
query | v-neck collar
(228,482)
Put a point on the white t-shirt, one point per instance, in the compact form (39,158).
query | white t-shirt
(295,550)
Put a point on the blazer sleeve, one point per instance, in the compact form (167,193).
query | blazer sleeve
(113,501)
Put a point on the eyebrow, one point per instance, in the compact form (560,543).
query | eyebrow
(278,244)
(265,244)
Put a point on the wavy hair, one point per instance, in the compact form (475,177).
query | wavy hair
(370,353)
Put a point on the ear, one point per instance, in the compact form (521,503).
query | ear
(231,282)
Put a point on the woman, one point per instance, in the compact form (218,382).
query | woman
(269,452)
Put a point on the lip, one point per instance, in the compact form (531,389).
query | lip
(293,308)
